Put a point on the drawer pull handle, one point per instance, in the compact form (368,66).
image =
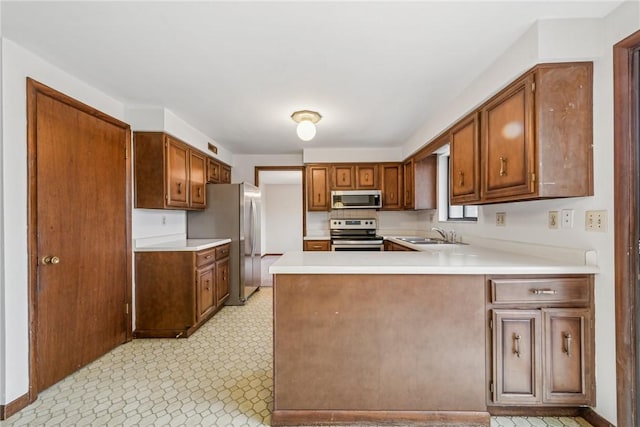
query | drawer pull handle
(516,344)
(208,256)
(544,291)
(567,344)
(461,173)
(503,166)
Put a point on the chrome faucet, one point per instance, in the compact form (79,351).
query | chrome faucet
(441,232)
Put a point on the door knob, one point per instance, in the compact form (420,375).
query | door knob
(50,260)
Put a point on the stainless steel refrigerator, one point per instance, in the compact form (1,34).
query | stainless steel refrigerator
(233,211)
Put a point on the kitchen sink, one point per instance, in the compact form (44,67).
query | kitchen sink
(415,240)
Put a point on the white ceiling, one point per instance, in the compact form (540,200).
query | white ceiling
(236,70)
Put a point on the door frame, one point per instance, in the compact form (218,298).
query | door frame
(626,217)
(256,180)
(33,89)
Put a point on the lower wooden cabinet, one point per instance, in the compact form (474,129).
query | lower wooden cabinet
(392,246)
(542,336)
(177,291)
(317,245)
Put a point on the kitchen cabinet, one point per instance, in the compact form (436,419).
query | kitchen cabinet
(542,337)
(407,184)
(317,245)
(169,174)
(464,168)
(218,172)
(318,187)
(367,177)
(343,177)
(537,135)
(391,177)
(392,246)
(177,291)
(420,181)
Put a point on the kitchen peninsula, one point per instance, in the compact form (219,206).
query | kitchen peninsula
(407,337)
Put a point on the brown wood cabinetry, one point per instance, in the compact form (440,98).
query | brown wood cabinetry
(367,177)
(318,187)
(392,246)
(169,174)
(464,170)
(542,339)
(317,245)
(420,183)
(408,184)
(391,177)
(343,177)
(218,172)
(177,291)
(536,139)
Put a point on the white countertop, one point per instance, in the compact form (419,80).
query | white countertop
(181,245)
(434,259)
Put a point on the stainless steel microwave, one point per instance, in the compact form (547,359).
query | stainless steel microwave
(356,199)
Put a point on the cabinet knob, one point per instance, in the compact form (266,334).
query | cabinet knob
(50,259)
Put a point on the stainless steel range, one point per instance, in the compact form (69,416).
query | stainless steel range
(355,235)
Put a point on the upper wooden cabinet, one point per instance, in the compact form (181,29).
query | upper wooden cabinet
(537,136)
(169,174)
(218,172)
(317,187)
(407,183)
(420,181)
(343,177)
(464,169)
(367,177)
(391,177)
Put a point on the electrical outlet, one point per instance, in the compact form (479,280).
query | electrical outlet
(595,221)
(501,219)
(164,220)
(554,220)
(567,218)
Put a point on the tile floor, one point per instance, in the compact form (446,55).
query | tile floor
(220,376)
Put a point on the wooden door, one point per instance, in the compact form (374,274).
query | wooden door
(568,356)
(391,186)
(408,182)
(318,188)
(222,281)
(177,173)
(508,142)
(205,291)
(367,177)
(342,177)
(79,221)
(197,180)
(464,172)
(517,375)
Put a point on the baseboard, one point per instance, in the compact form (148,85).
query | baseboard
(264,255)
(536,411)
(12,407)
(594,418)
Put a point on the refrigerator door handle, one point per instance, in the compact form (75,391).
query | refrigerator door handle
(254,227)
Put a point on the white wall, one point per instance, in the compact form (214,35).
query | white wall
(244,164)
(553,41)
(282,211)
(337,155)
(17,64)
(3,317)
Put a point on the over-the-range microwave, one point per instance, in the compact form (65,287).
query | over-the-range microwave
(356,199)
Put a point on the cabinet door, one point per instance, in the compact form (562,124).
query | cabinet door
(342,177)
(177,173)
(408,170)
(568,356)
(318,188)
(392,186)
(464,171)
(213,171)
(517,356)
(198,179)
(205,296)
(508,143)
(366,177)
(225,174)
(222,281)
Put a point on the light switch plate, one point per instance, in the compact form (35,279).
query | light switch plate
(595,221)
(501,219)
(554,219)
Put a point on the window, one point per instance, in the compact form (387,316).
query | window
(450,212)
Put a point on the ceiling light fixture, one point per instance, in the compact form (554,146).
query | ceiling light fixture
(306,120)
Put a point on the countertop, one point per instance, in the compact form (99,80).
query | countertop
(181,245)
(513,258)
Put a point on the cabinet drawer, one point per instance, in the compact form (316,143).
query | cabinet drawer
(317,245)
(222,251)
(205,257)
(574,290)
